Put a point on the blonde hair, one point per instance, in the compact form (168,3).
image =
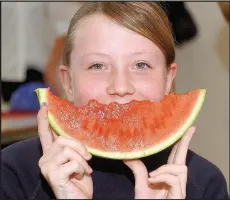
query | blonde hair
(145,18)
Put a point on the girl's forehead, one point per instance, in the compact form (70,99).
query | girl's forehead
(92,20)
(98,33)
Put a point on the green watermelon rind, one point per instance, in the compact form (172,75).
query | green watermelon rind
(41,93)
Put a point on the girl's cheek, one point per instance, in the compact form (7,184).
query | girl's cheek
(88,89)
(151,87)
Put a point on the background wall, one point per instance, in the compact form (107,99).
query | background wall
(204,63)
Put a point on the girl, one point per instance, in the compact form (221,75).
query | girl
(114,51)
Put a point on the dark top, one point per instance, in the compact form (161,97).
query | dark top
(21,177)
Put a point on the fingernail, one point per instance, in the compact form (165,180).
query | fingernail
(152,174)
(78,167)
(88,156)
(90,170)
(44,104)
(149,181)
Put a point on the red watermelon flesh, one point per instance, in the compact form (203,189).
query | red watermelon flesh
(124,131)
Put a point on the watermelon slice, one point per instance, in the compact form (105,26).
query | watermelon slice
(124,131)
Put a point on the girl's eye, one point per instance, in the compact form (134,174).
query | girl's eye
(142,66)
(97,67)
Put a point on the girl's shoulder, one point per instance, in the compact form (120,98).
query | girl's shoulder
(205,178)
(20,170)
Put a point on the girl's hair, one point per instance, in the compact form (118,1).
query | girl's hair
(145,18)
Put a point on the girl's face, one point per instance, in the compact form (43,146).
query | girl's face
(110,63)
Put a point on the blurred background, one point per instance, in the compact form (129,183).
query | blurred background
(32,42)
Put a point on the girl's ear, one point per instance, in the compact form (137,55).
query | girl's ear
(171,74)
(65,77)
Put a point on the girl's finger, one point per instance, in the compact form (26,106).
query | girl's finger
(61,176)
(62,142)
(172,181)
(172,154)
(176,170)
(69,154)
(172,169)
(139,171)
(45,135)
(55,136)
(181,153)
(75,145)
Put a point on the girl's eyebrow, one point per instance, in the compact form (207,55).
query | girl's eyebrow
(95,53)
(106,55)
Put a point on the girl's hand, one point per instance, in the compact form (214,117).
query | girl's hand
(168,181)
(64,163)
